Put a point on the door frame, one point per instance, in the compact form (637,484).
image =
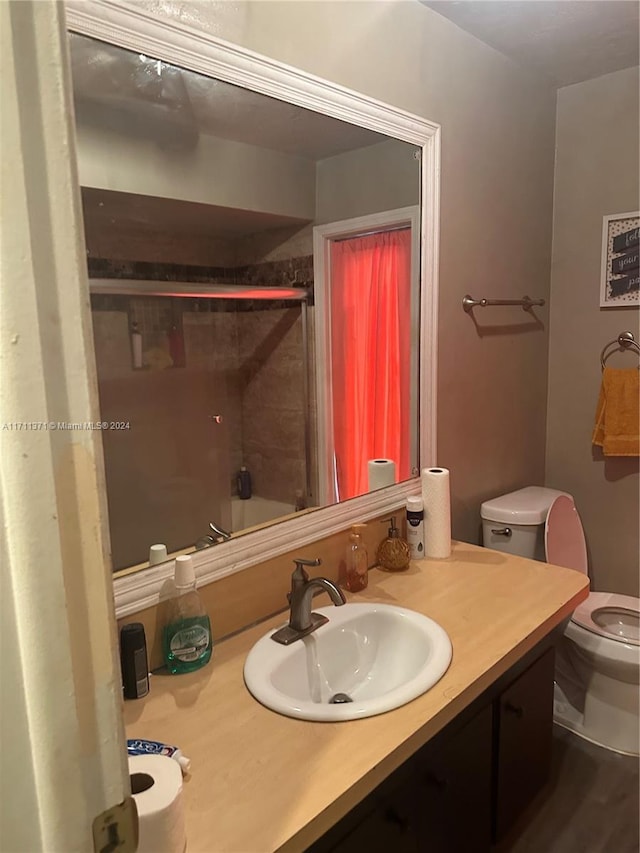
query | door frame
(63,738)
(323,235)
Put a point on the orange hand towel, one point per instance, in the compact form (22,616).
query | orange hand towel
(617,428)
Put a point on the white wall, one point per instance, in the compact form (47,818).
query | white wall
(596,174)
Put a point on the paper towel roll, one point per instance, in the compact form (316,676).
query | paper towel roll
(437,512)
(156,785)
(382,472)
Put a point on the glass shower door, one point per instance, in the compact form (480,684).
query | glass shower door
(168,472)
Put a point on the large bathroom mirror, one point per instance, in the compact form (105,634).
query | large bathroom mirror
(257,279)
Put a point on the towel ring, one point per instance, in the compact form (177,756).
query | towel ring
(624,341)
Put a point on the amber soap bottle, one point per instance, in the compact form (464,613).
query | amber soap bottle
(357,573)
(393,552)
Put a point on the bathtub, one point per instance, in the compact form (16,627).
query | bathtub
(256,511)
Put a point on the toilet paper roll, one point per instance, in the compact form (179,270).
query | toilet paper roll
(382,472)
(437,512)
(156,785)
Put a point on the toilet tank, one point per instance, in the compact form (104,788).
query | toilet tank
(514,523)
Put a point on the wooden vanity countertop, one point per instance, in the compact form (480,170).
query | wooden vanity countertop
(264,782)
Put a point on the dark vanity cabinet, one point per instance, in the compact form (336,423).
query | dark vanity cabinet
(523,723)
(468,786)
(454,794)
(438,801)
(391,826)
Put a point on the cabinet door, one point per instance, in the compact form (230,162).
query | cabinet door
(454,788)
(390,828)
(524,727)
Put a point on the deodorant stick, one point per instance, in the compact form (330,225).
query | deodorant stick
(415,526)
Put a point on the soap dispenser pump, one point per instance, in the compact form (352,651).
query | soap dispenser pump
(393,552)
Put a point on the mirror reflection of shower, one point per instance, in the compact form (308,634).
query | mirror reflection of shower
(205,385)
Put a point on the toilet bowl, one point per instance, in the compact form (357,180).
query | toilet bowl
(597,691)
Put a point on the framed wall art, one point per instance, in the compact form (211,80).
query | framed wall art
(620,277)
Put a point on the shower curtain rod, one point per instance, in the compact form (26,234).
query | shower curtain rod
(200,290)
(384,230)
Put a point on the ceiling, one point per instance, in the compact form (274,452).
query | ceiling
(109,81)
(134,94)
(569,41)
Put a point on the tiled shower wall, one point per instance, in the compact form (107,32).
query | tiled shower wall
(272,405)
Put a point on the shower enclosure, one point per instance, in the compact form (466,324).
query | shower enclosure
(194,381)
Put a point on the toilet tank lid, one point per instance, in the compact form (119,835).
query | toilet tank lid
(525,506)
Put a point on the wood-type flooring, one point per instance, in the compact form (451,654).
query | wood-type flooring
(589,806)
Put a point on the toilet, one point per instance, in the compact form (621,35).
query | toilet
(597,682)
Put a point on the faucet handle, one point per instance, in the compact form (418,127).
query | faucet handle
(299,577)
(300,563)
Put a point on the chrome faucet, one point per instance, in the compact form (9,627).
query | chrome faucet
(219,531)
(208,540)
(301,620)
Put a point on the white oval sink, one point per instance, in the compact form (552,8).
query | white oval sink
(378,655)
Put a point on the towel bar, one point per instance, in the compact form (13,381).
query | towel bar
(624,341)
(468,302)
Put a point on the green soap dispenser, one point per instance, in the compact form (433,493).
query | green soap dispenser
(186,639)
(393,553)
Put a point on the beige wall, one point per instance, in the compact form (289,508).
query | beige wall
(277,244)
(370,180)
(217,171)
(596,174)
(497,183)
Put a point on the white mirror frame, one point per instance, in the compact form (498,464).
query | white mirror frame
(117,23)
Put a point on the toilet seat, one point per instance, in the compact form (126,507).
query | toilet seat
(614,617)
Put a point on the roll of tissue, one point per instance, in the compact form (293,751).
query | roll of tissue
(382,472)
(437,512)
(156,785)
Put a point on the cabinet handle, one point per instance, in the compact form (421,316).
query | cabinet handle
(516,710)
(392,816)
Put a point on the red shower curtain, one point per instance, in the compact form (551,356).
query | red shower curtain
(370,355)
